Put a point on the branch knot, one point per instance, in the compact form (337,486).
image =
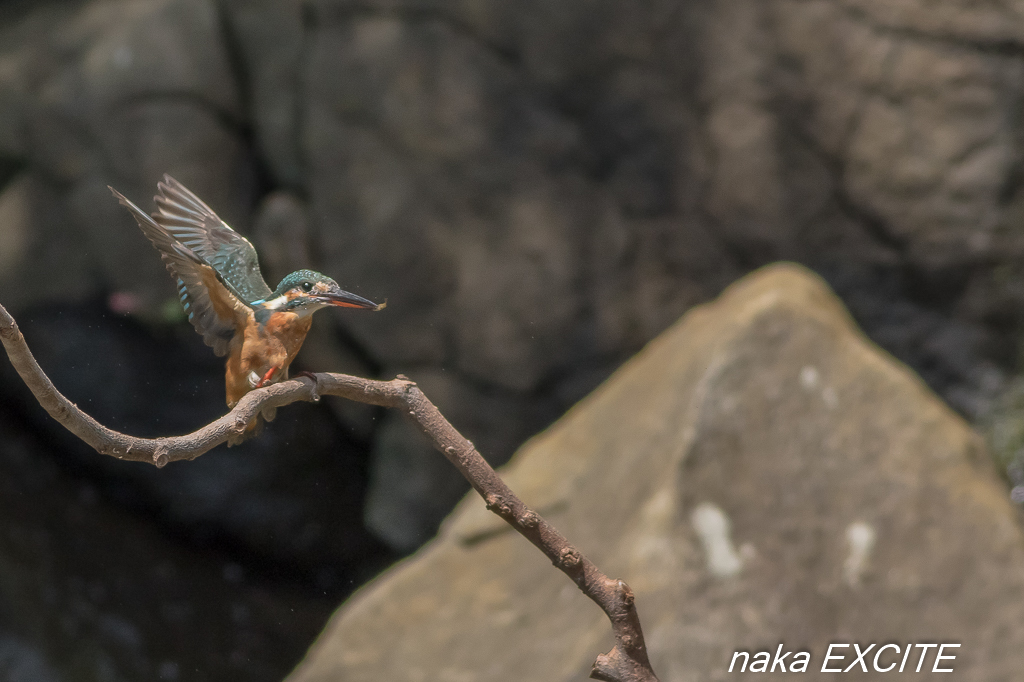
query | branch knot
(497,504)
(239,426)
(569,557)
(160,457)
(529,519)
(625,593)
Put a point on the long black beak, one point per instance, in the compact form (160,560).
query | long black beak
(344,299)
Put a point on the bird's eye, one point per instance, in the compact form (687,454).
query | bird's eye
(307,286)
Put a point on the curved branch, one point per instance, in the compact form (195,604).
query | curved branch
(626,662)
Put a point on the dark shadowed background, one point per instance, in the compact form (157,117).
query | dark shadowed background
(536,188)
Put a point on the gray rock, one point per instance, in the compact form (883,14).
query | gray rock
(120,93)
(269,37)
(915,124)
(20,661)
(35,228)
(281,235)
(760,473)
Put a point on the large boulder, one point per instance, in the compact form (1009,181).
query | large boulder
(760,474)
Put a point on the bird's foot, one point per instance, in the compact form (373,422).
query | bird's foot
(315,394)
(265,381)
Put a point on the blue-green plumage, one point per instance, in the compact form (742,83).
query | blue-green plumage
(191,238)
(194,224)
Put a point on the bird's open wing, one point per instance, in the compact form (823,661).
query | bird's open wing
(194,224)
(213,307)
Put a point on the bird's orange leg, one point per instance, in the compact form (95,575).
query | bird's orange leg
(266,377)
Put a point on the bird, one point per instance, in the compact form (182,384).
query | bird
(226,298)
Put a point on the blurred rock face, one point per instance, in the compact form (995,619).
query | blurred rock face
(760,473)
(537,190)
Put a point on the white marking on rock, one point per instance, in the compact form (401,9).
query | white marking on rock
(860,537)
(712,525)
(809,377)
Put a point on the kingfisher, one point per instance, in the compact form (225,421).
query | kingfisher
(225,296)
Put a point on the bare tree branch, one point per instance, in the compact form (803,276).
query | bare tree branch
(626,662)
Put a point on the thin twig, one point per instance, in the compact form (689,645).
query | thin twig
(626,662)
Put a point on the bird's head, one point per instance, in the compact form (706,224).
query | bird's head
(306,291)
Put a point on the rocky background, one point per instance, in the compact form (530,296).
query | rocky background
(536,188)
(787,483)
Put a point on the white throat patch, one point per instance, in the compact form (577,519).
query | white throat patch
(276,303)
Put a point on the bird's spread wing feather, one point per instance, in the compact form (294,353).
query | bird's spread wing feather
(190,221)
(214,308)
